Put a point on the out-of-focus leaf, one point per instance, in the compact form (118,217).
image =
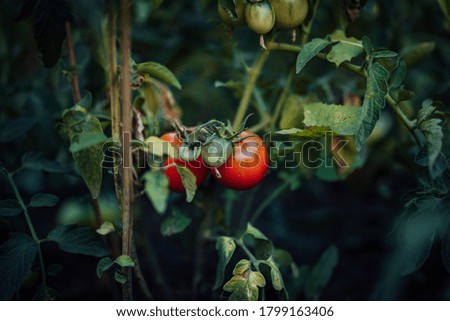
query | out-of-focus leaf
(88,140)
(78,240)
(292,112)
(416,53)
(36,161)
(159,147)
(398,75)
(106,228)
(10,208)
(158,71)
(244,283)
(433,132)
(309,51)
(418,233)
(321,273)
(104,265)
(189,182)
(225,247)
(175,224)
(263,246)
(15,128)
(43,200)
(16,258)
(49,18)
(157,190)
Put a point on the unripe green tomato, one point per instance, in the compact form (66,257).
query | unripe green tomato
(189,153)
(289,13)
(260,17)
(240,11)
(216,152)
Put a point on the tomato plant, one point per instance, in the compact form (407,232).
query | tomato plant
(106,107)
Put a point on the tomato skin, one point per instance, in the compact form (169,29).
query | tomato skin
(247,166)
(260,17)
(196,167)
(289,13)
(173,138)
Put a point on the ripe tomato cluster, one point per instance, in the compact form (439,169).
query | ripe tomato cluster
(237,160)
(262,16)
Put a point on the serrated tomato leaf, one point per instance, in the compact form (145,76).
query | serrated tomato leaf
(321,273)
(309,51)
(78,240)
(16,258)
(225,247)
(158,71)
(10,207)
(244,283)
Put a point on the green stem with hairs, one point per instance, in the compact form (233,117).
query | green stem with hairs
(253,75)
(29,224)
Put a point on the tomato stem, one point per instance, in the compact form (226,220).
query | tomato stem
(29,224)
(253,74)
(127,178)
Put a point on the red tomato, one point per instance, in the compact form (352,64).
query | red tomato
(247,166)
(173,138)
(196,167)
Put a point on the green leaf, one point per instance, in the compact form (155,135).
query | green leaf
(106,228)
(244,283)
(367,45)
(78,240)
(374,102)
(175,224)
(342,120)
(158,71)
(43,200)
(189,182)
(104,265)
(14,129)
(275,274)
(88,140)
(418,233)
(32,160)
(120,278)
(345,49)
(292,112)
(433,132)
(10,208)
(48,21)
(157,190)
(445,7)
(398,75)
(309,51)
(417,52)
(225,247)
(89,163)
(311,132)
(384,54)
(124,261)
(321,273)
(16,258)
(263,246)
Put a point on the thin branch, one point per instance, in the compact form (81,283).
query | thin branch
(139,275)
(73,64)
(127,178)
(253,73)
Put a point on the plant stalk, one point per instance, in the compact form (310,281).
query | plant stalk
(253,73)
(127,175)
(30,226)
(73,64)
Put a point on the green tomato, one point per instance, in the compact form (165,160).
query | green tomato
(216,152)
(260,17)
(189,152)
(289,13)
(240,11)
